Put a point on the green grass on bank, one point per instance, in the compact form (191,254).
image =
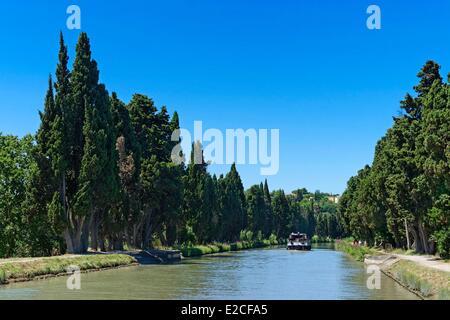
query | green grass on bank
(443,294)
(356,251)
(57,265)
(414,282)
(427,282)
(199,250)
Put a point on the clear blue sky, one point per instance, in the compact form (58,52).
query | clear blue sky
(310,68)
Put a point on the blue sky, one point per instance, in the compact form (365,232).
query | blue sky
(310,68)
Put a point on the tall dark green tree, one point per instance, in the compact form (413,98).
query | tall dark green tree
(234,214)
(99,184)
(403,195)
(128,151)
(142,113)
(256,208)
(269,223)
(433,156)
(194,185)
(45,193)
(90,178)
(281,214)
(174,221)
(160,179)
(52,153)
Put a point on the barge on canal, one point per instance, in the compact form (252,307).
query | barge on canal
(298,241)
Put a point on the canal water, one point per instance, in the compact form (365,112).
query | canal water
(322,273)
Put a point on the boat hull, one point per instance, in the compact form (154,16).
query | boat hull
(299,247)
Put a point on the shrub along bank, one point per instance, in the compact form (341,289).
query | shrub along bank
(356,251)
(199,250)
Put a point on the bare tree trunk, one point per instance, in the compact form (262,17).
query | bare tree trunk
(69,243)
(424,237)
(85,235)
(118,241)
(110,243)
(76,236)
(407,236)
(128,238)
(94,231)
(101,242)
(137,233)
(62,193)
(417,240)
(66,233)
(73,233)
(147,230)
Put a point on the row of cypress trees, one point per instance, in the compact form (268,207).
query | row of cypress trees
(99,174)
(105,175)
(403,198)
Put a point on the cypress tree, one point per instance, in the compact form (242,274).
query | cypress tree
(92,180)
(175,215)
(128,166)
(281,214)
(203,222)
(52,157)
(74,102)
(44,187)
(47,117)
(63,132)
(143,115)
(269,212)
(143,118)
(234,206)
(192,194)
(99,172)
(256,208)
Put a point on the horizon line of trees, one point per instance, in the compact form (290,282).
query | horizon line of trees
(99,174)
(403,198)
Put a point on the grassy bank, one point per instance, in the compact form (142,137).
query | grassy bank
(356,251)
(199,250)
(52,266)
(426,282)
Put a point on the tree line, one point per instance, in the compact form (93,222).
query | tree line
(403,197)
(99,174)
